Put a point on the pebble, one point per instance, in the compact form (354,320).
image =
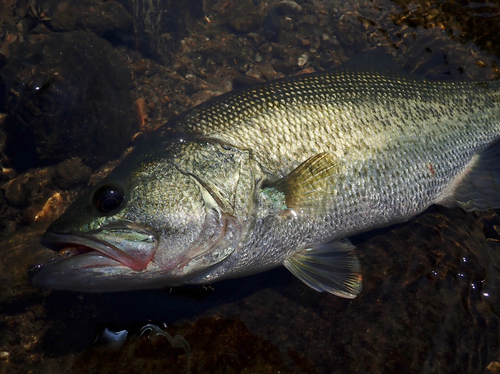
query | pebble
(191,88)
(302,60)
(21,190)
(254,73)
(308,70)
(267,71)
(494,367)
(71,173)
(289,7)
(4,355)
(141,112)
(53,208)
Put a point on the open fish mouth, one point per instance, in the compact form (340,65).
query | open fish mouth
(95,252)
(96,261)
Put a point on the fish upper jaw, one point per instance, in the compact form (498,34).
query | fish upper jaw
(68,245)
(125,242)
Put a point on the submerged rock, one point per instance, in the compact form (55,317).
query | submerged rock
(67,96)
(71,173)
(209,345)
(160,25)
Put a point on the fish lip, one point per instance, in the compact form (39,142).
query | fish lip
(58,241)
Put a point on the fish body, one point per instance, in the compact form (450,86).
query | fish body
(280,174)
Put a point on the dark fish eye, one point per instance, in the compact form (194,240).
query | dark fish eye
(107,199)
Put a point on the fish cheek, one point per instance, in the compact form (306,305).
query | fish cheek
(212,236)
(221,235)
(179,231)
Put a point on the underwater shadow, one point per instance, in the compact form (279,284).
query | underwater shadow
(76,319)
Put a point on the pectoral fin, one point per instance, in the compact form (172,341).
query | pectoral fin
(331,267)
(479,188)
(311,185)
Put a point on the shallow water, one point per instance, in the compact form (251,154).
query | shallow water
(431,287)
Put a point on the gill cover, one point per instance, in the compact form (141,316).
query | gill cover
(228,178)
(158,219)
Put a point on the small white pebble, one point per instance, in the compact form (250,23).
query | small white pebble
(302,60)
(4,355)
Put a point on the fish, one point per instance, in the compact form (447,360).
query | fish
(282,173)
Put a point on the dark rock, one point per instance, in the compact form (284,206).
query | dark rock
(101,18)
(288,7)
(243,24)
(71,173)
(241,81)
(68,96)
(286,67)
(268,72)
(107,17)
(310,19)
(272,25)
(326,60)
(191,88)
(217,345)
(159,26)
(22,190)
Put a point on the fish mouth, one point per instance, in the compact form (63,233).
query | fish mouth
(76,264)
(103,260)
(91,252)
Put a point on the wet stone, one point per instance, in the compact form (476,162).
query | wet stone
(272,25)
(71,173)
(69,96)
(286,67)
(288,7)
(104,18)
(160,25)
(22,190)
(240,81)
(243,24)
(191,88)
(108,17)
(217,345)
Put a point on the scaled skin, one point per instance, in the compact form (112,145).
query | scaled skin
(393,146)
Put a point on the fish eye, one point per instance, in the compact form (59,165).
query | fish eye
(107,198)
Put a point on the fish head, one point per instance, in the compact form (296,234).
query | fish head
(152,222)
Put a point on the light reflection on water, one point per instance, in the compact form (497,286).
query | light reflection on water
(431,286)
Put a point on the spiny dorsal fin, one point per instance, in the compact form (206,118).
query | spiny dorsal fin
(480,188)
(331,267)
(311,185)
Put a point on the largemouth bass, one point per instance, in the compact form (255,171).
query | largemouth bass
(280,174)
